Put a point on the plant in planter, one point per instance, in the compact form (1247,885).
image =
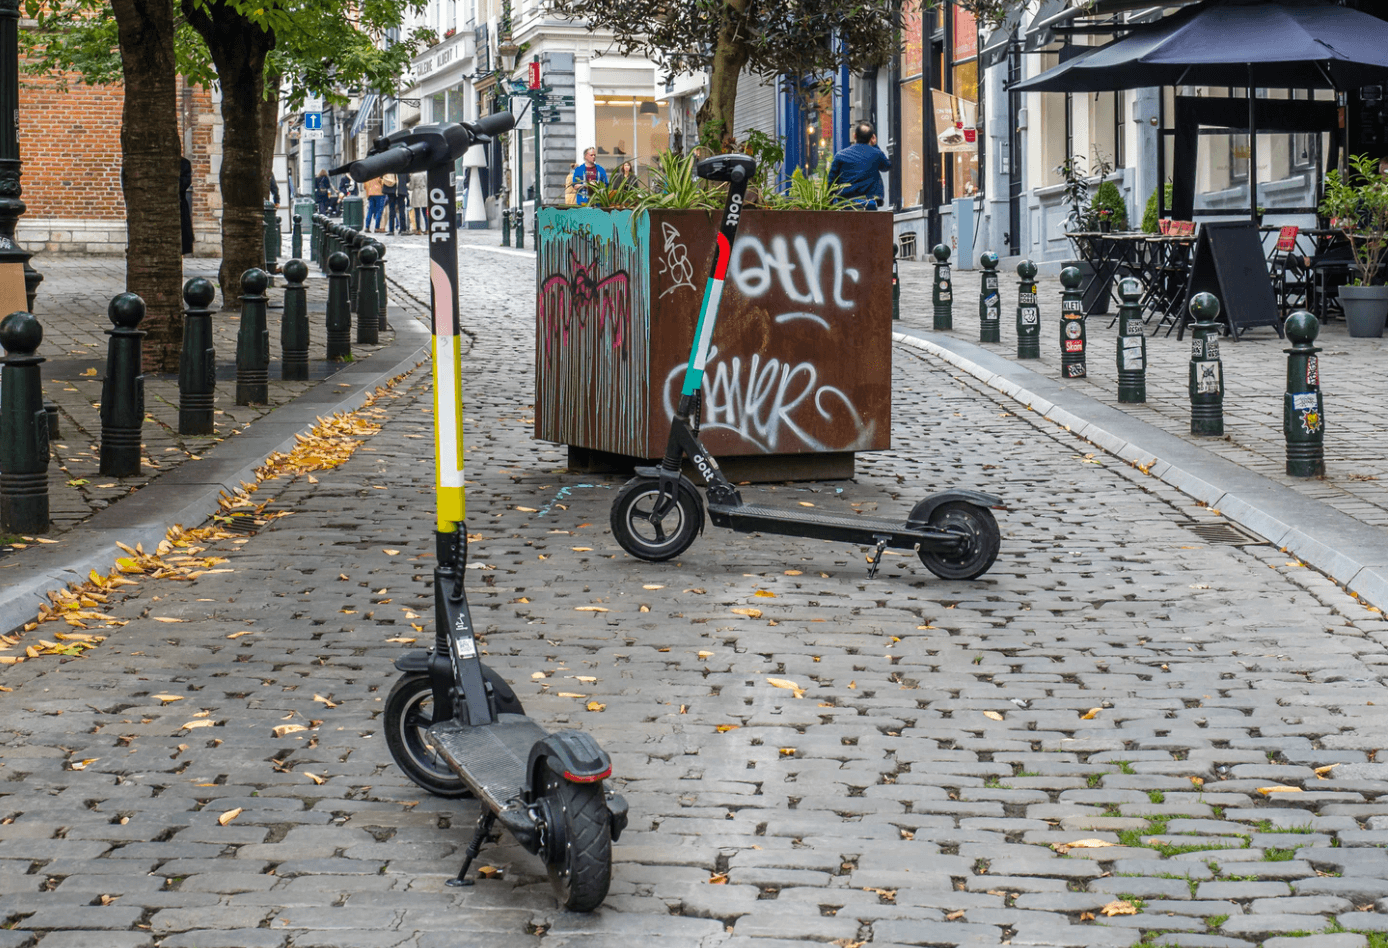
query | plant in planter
(1358,202)
(1108,203)
(1150,224)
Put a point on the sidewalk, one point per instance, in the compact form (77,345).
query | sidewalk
(1333,523)
(181,476)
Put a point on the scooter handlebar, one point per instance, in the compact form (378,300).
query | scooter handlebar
(498,123)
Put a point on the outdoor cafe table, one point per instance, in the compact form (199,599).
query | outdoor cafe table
(1159,261)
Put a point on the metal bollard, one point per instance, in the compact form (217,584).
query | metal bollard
(23,429)
(989,300)
(354,243)
(506,228)
(1028,315)
(520,228)
(1303,409)
(339,312)
(943,293)
(1206,369)
(315,236)
(272,238)
(896,285)
(253,341)
(368,322)
(382,298)
(123,389)
(1132,345)
(1072,365)
(197,368)
(296,239)
(294,327)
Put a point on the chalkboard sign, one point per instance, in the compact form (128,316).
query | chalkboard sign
(1229,263)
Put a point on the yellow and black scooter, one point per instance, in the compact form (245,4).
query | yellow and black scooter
(452,724)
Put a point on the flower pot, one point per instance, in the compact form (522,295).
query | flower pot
(1366,309)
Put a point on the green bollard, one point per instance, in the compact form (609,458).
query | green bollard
(23,429)
(942,295)
(1072,365)
(339,333)
(253,341)
(315,236)
(1303,409)
(382,299)
(197,368)
(989,300)
(123,389)
(896,285)
(1028,315)
(272,239)
(296,240)
(1132,345)
(354,243)
(368,322)
(520,228)
(294,327)
(1206,369)
(506,228)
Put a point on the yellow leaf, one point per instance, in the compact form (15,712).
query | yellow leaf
(749,613)
(806,503)
(89,373)
(167,698)
(1265,791)
(794,572)
(725,728)
(314,777)
(1091,714)
(718,878)
(391,552)
(405,641)
(1063,848)
(1322,771)
(992,715)
(1119,907)
(192,724)
(595,706)
(535,676)
(527,509)
(228,816)
(764,594)
(705,654)
(167,619)
(652,586)
(787,751)
(325,701)
(237,635)
(1198,781)
(783,683)
(589,609)
(284,729)
(582,549)
(82,764)
(570,694)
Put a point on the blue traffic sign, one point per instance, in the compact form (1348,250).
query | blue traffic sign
(313,121)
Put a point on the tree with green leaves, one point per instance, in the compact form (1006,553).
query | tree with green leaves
(770,38)
(257,52)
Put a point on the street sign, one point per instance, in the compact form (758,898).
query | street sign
(313,135)
(313,121)
(535,74)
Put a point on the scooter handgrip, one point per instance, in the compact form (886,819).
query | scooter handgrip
(395,159)
(497,123)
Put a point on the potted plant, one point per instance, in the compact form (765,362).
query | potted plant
(1358,203)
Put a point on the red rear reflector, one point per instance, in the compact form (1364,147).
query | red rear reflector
(574,778)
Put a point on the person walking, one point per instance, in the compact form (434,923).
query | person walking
(859,169)
(375,191)
(185,203)
(322,187)
(395,191)
(586,174)
(418,188)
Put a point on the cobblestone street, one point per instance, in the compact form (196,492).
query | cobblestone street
(1140,727)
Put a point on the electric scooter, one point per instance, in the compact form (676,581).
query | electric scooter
(452,724)
(657,514)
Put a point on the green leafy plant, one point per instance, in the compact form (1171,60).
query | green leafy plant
(808,194)
(1108,202)
(1359,202)
(1150,223)
(1072,172)
(770,155)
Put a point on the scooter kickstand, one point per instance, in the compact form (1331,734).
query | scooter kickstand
(875,560)
(484,828)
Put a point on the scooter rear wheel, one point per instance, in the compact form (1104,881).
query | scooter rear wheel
(980,548)
(659,540)
(409,715)
(578,851)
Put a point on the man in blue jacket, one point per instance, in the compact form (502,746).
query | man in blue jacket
(859,169)
(587,174)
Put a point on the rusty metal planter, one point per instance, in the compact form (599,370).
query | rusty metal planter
(801,364)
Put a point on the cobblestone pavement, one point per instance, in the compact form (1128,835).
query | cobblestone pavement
(1114,679)
(71,307)
(1255,371)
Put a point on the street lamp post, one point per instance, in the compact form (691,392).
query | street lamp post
(11,256)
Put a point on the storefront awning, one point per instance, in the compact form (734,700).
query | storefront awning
(368,105)
(995,46)
(1038,32)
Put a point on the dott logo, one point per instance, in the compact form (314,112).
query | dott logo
(438,215)
(734,210)
(703,464)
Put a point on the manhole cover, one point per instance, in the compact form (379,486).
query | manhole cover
(1226,534)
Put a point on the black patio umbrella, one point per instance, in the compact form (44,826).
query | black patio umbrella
(1282,44)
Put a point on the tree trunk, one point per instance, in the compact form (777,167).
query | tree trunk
(150,151)
(729,58)
(238,50)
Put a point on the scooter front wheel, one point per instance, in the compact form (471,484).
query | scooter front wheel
(981,541)
(656,538)
(409,715)
(578,844)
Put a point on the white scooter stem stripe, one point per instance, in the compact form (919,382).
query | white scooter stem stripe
(448,435)
(708,317)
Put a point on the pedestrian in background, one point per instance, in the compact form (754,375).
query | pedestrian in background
(625,176)
(375,191)
(587,174)
(395,192)
(418,187)
(185,203)
(859,169)
(322,188)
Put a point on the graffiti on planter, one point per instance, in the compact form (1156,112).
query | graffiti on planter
(578,296)
(676,262)
(770,404)
(774,266)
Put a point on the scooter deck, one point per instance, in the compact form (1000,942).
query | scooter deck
(491,759)
(758,518)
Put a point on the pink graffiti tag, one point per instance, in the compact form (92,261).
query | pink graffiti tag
(578,296)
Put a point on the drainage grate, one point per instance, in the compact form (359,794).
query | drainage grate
(242,522)
(1225,533)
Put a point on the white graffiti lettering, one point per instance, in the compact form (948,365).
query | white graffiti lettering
(775,266)
(676,263)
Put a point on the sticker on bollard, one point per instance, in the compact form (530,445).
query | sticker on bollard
(1072,336)
(942,294)
(1028,313)
(1132,345)
(1206,381)
(1303,408)
(989,300)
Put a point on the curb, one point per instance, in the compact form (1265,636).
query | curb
(189,494)
(1350,552)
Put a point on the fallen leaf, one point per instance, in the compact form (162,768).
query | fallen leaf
(1091,714)
(1086,916)
(391,552)
(167,619)
(993,715)
(284,729)
(749,613)
(595,706)
(718,878)
(325,701)
(794,572)
(192,724)
(783,683)
(705,654)
(1119,907)
(489,872)
(725,728)
(652,586)
(1322,771)
(806,503)
(570,694)
(402,640)
(167,698)
(527,509)
(82,764)
(237,635)
(228,816)
(538,675)
(314,777)
(952,916)
(787,751)
(589,609)
(1265,791)
(1198,781)
(1063,848)
(764,594)
(582,549)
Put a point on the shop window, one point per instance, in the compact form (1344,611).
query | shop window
(629,129)
(911,68)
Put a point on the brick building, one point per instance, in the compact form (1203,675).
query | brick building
(69,140)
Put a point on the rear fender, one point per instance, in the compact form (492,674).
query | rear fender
(572,755)
(920,514)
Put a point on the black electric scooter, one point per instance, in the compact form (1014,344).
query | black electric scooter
(452,724)
(657,514)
